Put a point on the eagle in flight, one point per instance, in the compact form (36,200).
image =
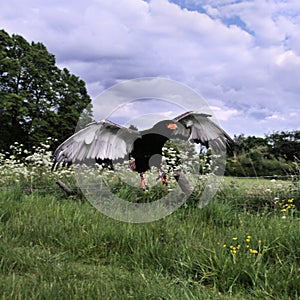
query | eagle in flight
(105,141)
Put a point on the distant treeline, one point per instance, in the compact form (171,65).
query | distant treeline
(277,153)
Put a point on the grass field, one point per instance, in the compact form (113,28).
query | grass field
(245,244)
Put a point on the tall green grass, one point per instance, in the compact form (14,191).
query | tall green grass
(245,244)
(53,247)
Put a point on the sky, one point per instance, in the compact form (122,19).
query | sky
(241,57)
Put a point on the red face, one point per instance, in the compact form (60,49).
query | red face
(172,126)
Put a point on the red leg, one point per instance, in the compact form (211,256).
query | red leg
(163,176)
(143,181)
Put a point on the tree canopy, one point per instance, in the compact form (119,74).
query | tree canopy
(274,154)
(37,99)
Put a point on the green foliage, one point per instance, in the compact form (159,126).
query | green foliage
(269,156)
(37,99)
(68,250)
(243,244)
(252,165)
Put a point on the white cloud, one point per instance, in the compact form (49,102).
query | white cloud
(242,55)
(276,116)
(288,59)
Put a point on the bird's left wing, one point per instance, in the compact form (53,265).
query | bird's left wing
(98,140)
(199,128)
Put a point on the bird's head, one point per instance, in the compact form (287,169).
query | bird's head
(166,125)
(167,128)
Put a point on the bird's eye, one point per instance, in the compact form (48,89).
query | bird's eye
(172,126)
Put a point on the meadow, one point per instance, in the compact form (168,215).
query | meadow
(245,244)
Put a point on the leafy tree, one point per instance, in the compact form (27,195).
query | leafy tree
(272,155)
(284,144)
(37,99)
(250,144)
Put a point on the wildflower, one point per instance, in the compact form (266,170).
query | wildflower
(234,238)
(253,251)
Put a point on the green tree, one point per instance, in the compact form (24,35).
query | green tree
(250,144)
(257,156)
(37,99)
(284,144)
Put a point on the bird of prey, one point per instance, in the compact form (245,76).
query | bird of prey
(105,141)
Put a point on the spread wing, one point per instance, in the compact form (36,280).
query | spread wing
(98,140)
(199,128)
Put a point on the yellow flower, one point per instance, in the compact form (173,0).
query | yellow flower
(224,246)
(248,237)
(248,240)
(234,238)
(253,251)
(291,200)
(259,241)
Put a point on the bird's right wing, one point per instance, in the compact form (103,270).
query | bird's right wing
(98,140)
